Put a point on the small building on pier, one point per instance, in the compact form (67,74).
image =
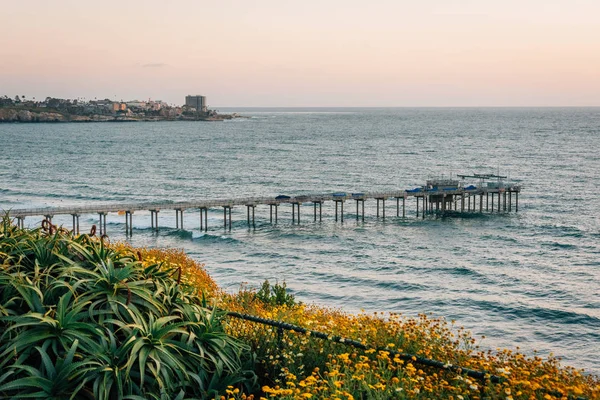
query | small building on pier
(441,190)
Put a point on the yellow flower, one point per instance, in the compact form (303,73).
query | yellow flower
(424,335)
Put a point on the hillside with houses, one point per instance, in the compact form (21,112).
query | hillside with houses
(21,109)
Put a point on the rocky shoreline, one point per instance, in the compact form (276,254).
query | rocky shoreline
(14,115)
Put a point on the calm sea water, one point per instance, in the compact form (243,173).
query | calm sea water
(530,279)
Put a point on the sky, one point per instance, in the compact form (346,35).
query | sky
(284,53)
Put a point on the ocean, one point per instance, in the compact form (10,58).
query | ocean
(529,279)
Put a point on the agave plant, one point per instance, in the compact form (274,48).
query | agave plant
(56,330)
(52,378)
(220,353)
(80,319)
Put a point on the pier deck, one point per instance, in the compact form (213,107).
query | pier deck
(468,199)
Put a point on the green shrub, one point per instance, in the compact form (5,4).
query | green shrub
(79,319)
(275,295)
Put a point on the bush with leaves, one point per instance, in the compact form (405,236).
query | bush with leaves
(79,319)
(275,295)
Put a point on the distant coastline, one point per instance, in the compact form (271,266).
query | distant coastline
(14,115)
(66,110)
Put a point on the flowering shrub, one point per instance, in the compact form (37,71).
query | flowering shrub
(293,365)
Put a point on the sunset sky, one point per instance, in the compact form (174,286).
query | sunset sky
(305,53)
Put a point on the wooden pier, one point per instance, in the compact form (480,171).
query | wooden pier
(428,201)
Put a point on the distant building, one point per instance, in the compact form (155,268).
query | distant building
(137,104)
(197,102)
(157,105)
(119,107)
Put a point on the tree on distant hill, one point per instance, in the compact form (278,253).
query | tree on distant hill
(53,103)
(5,101)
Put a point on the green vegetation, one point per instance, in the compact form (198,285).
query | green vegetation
(275,295)
(82,320)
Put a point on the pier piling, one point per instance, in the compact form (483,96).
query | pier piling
(416,198)
(128,223)
(204,213)
(341,209)
(154,220)
(363,210)
(75,224)
(499,201)
(248,208)
(226,209)
(101,223)
(362,201)
(179,218)
(382,206)
(294,206)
